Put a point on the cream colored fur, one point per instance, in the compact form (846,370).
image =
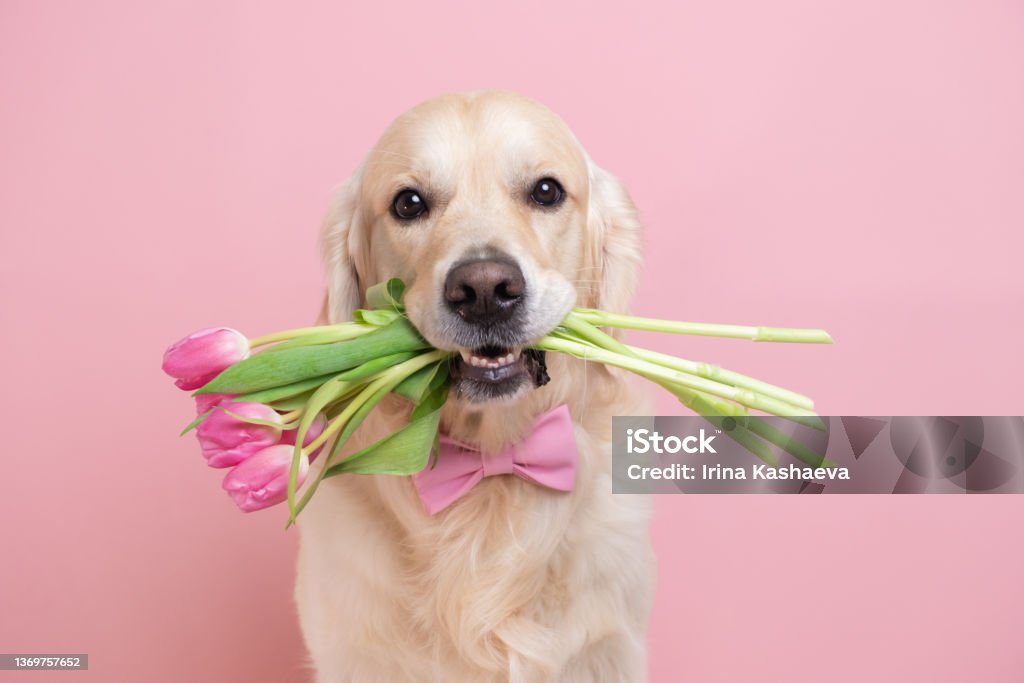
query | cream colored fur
(513,582)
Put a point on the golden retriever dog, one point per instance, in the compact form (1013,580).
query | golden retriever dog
(489,209)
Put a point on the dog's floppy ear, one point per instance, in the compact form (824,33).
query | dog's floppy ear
(340,244)
(615,240)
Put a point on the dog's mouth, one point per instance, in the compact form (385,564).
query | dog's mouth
(495,372)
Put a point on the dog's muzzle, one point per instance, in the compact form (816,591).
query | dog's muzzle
(488,296)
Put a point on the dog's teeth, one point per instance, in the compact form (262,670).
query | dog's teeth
(478,361)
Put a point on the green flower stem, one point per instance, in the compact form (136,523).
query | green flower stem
(705,405)
(705,370)
(329,333)
(373,390)
(366,404)
(325,338)
(319,400)
(581,328)
(763,334)
(390,378)
(662,374)
(786,443)
(716,373)
(810,420)
(715,410)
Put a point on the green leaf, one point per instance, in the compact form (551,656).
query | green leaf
(295,402)
(285,391)
(287,405)
(417,385)
(433,401)
(329,335)
(376,365)
(257,421)
(386,295)
(288,366)
(196,422)
(338,406)
(379,317)
(440,380)
(402,453)
(370,402)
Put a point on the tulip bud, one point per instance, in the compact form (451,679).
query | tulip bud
(316,428)
(227,440)
(201,356)
(262,480)
(205,402)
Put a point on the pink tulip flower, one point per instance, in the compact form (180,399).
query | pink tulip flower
(315,429)
(227,440)
(205,402)
(201,356)
(262,480)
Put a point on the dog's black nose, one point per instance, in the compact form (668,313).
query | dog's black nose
(484,291)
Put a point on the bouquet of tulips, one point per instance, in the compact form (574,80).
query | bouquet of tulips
(267,415)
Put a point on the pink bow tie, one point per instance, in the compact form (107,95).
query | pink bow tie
(546,457)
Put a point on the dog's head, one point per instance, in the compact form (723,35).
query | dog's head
(489,209)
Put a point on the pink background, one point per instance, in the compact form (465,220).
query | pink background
(857,166)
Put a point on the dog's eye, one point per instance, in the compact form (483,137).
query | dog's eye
(547,192)
(408,204)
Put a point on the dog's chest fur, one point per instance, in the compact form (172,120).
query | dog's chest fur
(511,583)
